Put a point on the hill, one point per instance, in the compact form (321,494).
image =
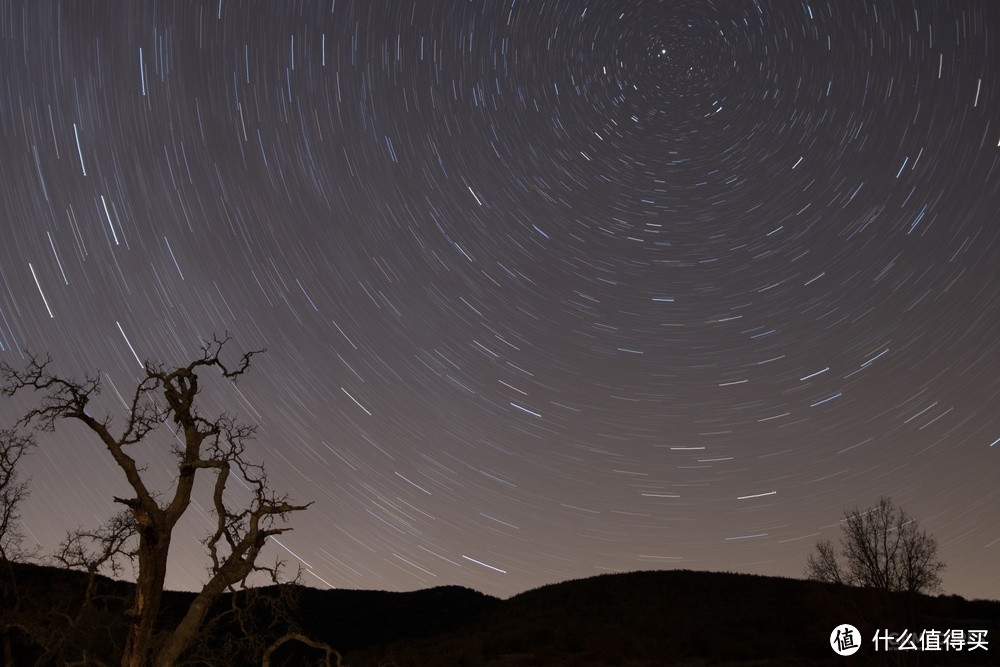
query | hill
(693,618)
(639,618)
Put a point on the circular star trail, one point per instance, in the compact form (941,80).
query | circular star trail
(548,289)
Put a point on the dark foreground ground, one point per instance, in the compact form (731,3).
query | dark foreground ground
(638,618)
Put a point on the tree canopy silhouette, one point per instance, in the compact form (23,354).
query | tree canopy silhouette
(882,548)
(213,446)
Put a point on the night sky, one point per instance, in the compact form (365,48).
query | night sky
(549,288)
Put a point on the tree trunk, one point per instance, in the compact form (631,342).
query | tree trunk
(186,632)
(153,547)
(184,635)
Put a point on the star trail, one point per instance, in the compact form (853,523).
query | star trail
(549,288)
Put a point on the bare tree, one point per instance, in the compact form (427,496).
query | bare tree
(882,548)
(107,548)
(13,492)
(71,626)
(217,446)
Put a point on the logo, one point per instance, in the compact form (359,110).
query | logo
(845,639)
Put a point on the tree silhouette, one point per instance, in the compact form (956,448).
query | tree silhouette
(881,548)
(13,492)
(216,446)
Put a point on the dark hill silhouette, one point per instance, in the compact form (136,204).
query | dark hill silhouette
(638,618)
(691,618)
(344,619)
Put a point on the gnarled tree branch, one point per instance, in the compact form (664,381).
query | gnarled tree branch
(205,444)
